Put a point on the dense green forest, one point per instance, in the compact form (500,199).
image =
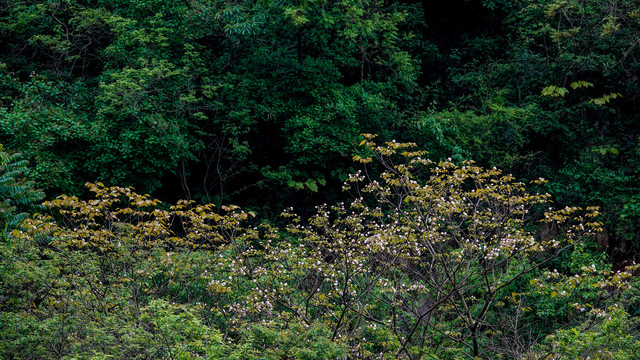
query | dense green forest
(314,179)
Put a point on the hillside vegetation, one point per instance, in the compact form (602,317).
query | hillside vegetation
(212,189)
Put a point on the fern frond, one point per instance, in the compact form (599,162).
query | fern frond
(16,193)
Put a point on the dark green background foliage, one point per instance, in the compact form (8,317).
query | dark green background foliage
(261,102)
(219,100)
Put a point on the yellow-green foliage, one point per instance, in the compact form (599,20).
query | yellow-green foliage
(430,260)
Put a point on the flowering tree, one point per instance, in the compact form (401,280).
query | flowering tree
(418,263)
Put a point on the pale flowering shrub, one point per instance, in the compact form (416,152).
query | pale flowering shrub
(422,263)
